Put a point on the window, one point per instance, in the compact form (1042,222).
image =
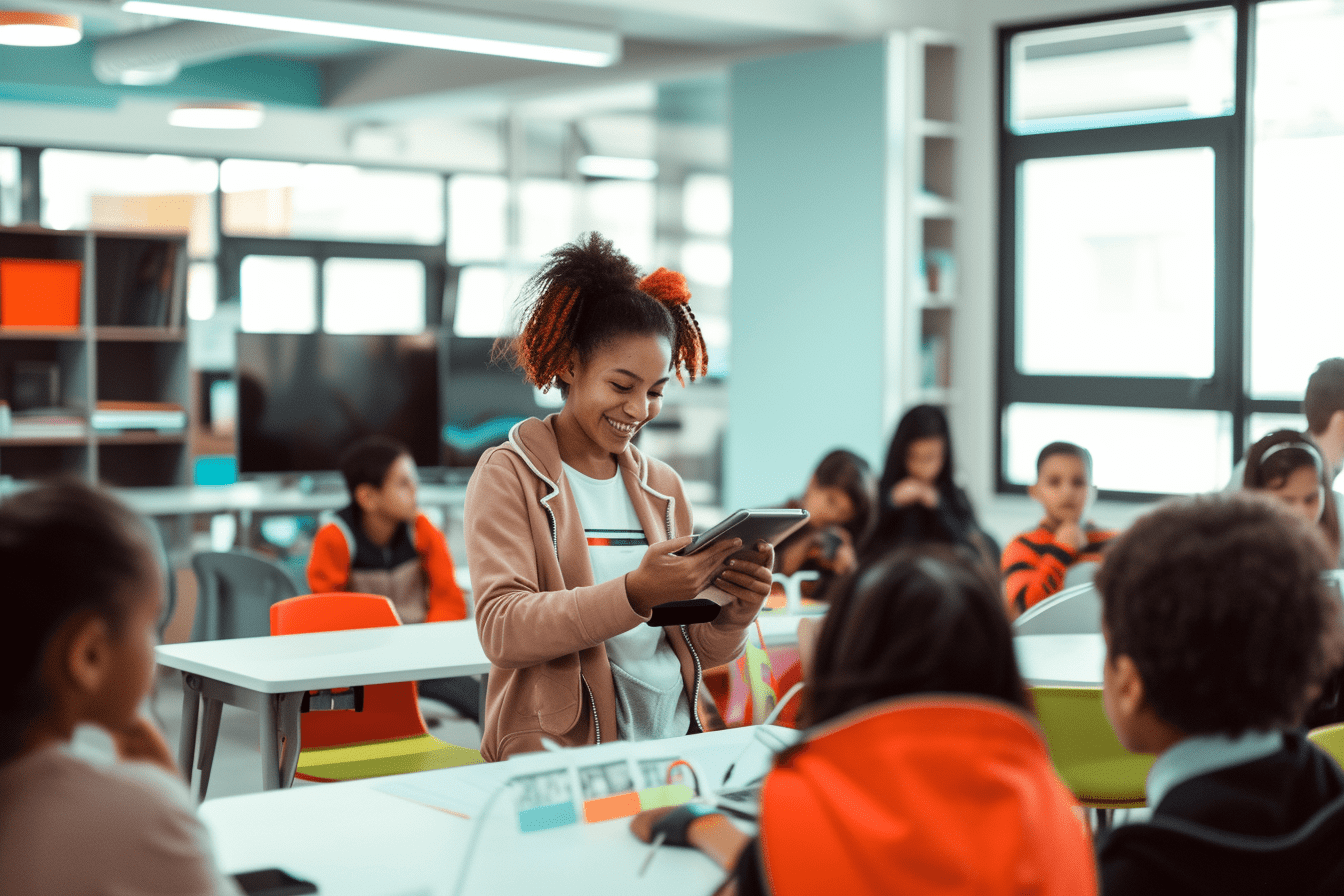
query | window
(373,295)
(278,294)
(341,202)
(124,191)
(1166,274)
(9,186)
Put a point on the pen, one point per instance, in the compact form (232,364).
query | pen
(653,848)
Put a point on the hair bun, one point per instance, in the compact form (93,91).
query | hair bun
(668,287)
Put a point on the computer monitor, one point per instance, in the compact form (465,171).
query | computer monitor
(482,400)
(303,398)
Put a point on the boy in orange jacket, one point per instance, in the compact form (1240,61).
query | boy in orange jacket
(1035,563)
(382,544)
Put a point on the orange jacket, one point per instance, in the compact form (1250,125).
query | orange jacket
(437,599)
(1034,564)
(942,794)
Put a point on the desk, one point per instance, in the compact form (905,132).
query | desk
(270,676)
(255,497)
(352,840)
(1061,660)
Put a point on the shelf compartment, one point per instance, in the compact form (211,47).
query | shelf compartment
(137,464)
(25,460)
(139,334)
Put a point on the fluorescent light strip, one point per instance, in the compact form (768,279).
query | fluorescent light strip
(618,167)
(440,31)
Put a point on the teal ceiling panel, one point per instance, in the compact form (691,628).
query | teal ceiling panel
(65,75)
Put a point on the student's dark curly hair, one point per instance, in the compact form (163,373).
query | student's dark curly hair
(1221,604)
(917,621)
(586,295)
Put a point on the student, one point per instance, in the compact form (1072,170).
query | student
(1290,466)
(1219,628)
(918,499)
(77,648)
(382,544)
(1036,563)
(571,530)
(839,501)
(923,771)
(1323,406)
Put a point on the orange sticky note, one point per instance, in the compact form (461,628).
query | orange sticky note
(622,805)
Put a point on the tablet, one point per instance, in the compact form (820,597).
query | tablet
(772,525)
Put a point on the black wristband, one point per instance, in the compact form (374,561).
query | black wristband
(673,825)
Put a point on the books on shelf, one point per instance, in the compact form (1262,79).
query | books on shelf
(46,423)
(117,416)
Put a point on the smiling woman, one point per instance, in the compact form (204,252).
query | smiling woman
(571,530)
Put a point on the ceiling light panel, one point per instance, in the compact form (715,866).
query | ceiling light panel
(38,29)
(392,24)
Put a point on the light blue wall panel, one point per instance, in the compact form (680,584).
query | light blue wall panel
(808,138)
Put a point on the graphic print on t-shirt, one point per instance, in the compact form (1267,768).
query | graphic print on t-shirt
(616,538)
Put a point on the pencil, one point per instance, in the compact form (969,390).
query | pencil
(653,848)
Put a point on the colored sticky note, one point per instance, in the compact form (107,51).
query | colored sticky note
(542,818)
(667,795)
(622,805)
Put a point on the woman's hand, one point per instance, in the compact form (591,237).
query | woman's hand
(712,834)
(747,581)
(141,740)
(664,576)
(910,491)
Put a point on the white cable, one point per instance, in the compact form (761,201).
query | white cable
(779,707)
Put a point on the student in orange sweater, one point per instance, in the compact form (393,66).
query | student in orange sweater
(1036,562)
(382,544)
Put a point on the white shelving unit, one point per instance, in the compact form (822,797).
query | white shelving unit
(922,196)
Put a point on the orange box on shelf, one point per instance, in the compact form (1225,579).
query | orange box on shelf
(38,292)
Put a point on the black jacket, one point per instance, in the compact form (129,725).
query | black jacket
(1274,825)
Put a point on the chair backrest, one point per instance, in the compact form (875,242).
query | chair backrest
(390,710)
(1329,738)
(170,575)
(1073,611)
(1085,751)
(235,591)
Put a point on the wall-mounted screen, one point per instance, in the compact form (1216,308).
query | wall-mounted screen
(304,397)
(483,400)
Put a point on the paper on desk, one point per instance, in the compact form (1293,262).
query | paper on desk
(459,791)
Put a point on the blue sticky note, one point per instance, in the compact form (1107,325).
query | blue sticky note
(542,818)
(216,469)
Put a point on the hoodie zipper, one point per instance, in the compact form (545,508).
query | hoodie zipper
(695,697)
(592,703)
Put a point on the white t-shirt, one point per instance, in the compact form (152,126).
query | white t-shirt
(651,699)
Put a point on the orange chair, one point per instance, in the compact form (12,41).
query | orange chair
(387,736)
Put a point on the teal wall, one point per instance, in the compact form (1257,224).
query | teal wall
(809,158)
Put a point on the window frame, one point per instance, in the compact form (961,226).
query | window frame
(1227,390)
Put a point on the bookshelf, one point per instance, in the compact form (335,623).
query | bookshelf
(925,133)
(129,345)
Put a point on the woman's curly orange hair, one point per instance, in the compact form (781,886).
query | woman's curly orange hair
(587,294)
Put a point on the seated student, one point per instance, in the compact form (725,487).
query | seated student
(77,648)
(1323,406)
(1219,628)
(839,501)
(382,544)
(923,770)
(1290,466)
(1035,563)
(918,498)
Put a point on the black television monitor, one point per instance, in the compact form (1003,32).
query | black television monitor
(303,398)
(482,400)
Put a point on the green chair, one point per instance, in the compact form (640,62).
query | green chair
(1329,738)
(1102,774)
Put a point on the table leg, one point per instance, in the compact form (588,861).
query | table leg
(289,725)
(270,744)
(186,742)
(209,738)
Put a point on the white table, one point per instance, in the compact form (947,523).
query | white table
(272,675)
(1061,660)
(261,498)
(353,840)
